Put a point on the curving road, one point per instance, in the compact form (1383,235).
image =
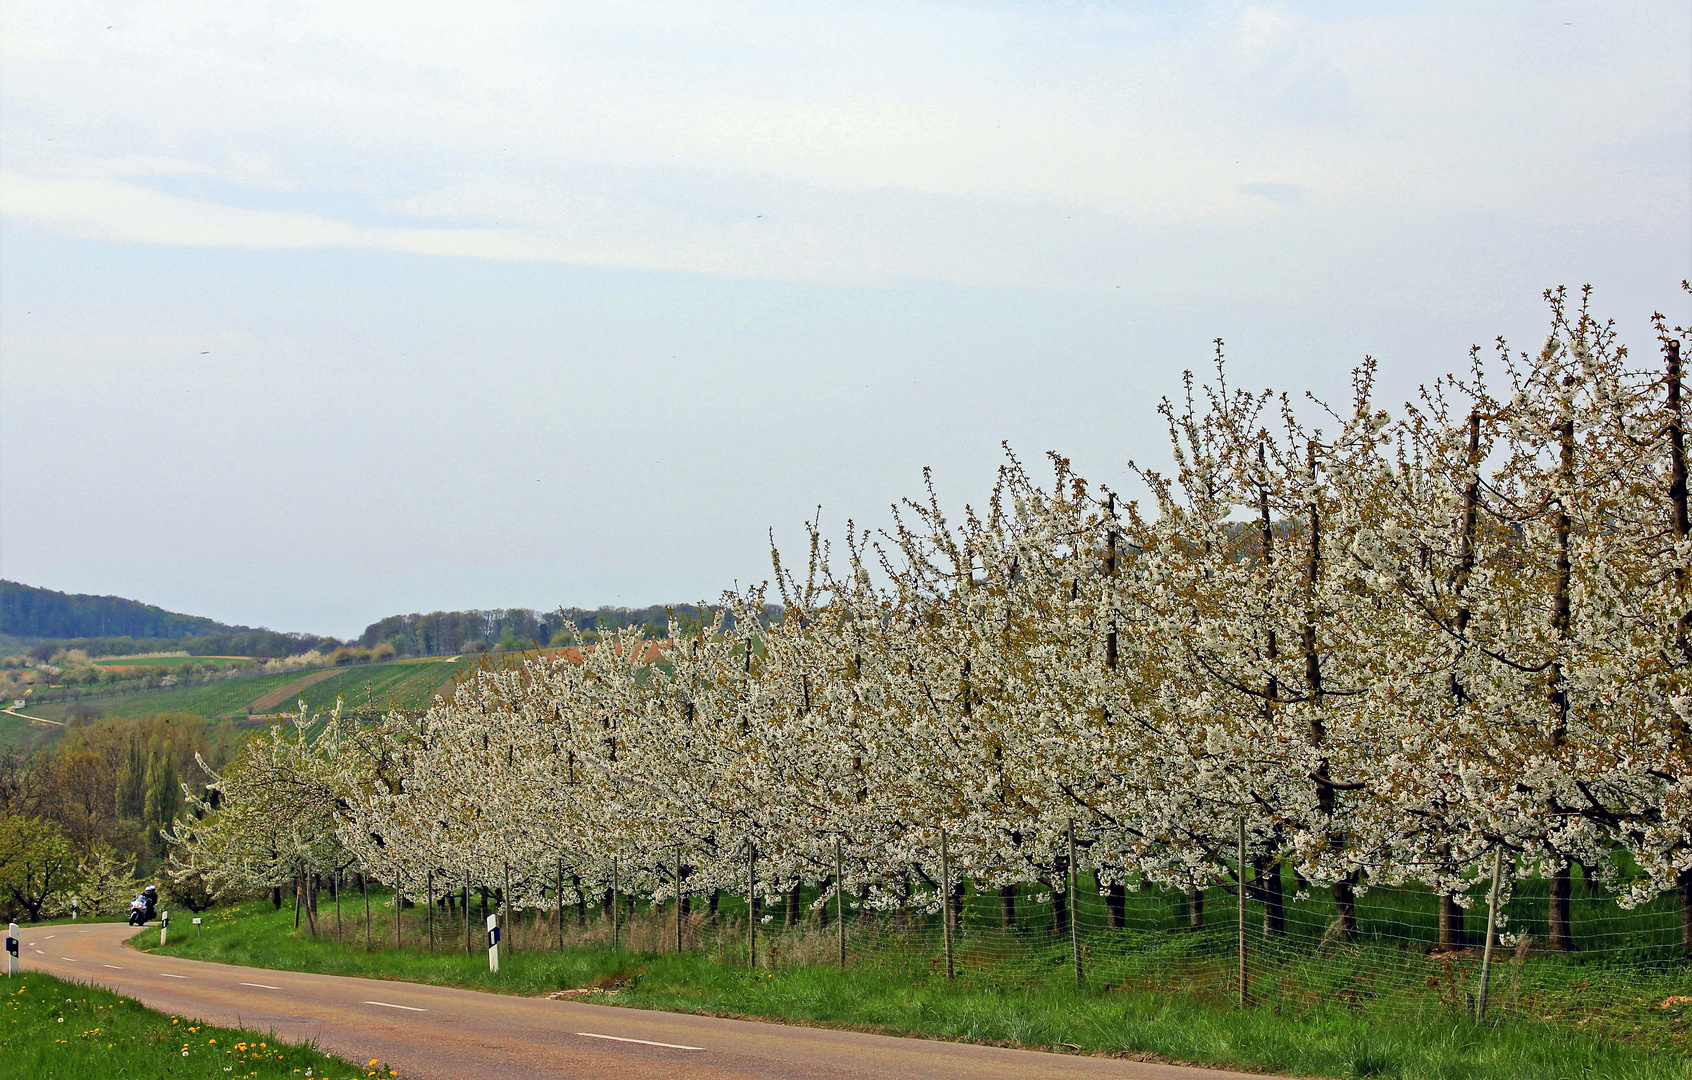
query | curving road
(437,1032)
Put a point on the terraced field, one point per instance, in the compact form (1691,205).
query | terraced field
(408,684)
(207,699)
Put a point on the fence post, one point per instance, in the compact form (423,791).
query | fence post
(946,903)
(467,949)
(1240,862)
(616,915)
(429,898)
(678,901)
(336,885)
(399,939)
(505,902)
(752,908)
(364,887)
(1491,934)
(840,900)
(1074,907)
(560,895)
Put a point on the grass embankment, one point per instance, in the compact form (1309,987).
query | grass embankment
(902,991)
(52,1029)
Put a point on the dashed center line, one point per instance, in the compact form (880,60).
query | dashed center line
(390,1005)
(114,967)
(168,975)
(262,986)
(643,1042)
(72,959)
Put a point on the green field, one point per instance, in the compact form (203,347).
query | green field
(52,1029)
(209,700)
(25,735)
(406,684)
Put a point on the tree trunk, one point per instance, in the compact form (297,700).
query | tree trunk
(1345,906)
(1557,910)
(1060,900)
(1686,910)
(1116,906)
(1452,935)
(713,903)
(1272,894)
(1195,907)
(1007,907)
(956,903)
(276,897)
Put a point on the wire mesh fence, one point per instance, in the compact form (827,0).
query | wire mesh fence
(1298,953)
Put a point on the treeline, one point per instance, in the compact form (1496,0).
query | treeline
(113,626)
(264,644)
(444,632)
(27,611)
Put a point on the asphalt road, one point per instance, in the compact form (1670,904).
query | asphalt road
(429,1032)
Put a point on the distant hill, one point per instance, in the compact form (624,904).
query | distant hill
(41,620)
(26,611)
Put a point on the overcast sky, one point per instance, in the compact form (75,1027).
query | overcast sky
(312,313)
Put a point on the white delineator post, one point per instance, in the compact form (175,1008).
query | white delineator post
(11,949)
(164,925)
(493,942)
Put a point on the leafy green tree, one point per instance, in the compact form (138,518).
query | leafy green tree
(131,786)
(37,866)
(164,794)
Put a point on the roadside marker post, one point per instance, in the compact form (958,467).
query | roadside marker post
(164,925)
(493,942)
(196,926)
(11,949)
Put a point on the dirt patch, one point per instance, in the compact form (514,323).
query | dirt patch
(290,691)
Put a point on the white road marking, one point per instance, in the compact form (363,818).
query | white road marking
(72,959)
(40,953)
(114,967)
(643,1042)
(262,986)
(49,937)
(387,1005)
(168,975)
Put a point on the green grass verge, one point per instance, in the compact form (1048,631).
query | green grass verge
(902,993)
(52,1029)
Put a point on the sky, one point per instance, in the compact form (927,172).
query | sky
(312,313)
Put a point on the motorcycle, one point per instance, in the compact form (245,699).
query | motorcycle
(138,912)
